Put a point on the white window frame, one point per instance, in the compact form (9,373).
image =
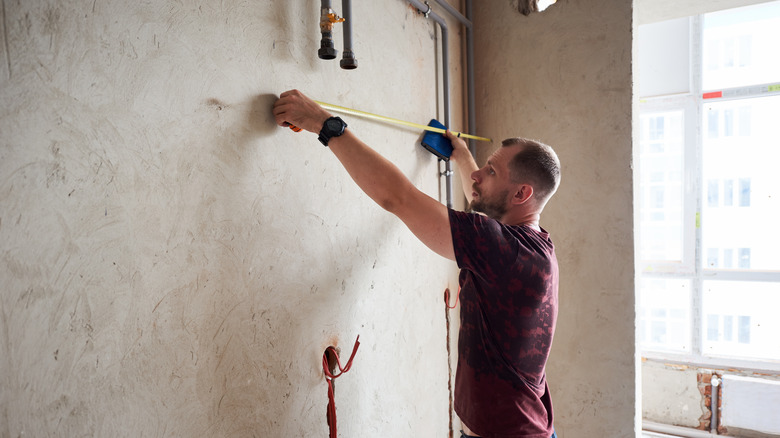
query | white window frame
(691,267)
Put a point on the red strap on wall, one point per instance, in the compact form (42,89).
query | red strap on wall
(329,378)
(447,298)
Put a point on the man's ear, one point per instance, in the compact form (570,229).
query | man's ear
(524,193)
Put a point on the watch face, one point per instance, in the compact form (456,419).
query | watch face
(334,125)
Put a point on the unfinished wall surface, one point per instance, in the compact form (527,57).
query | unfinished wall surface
(687,406)
(682,395)
(174,264)
(564,76)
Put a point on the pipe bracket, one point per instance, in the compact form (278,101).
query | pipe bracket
(428,12)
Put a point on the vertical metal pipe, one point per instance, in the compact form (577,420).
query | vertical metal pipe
(466,21)
(327,49)
(346,10)
(714,402)
(446,94)
(445,73)
(470,78)
(426,9)
(348,61)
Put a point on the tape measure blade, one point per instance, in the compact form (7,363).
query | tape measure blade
(392,120)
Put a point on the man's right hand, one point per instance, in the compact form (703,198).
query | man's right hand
(466,164)
(458,145)
(294,108)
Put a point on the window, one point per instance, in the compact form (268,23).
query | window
(708,188)
(665,313)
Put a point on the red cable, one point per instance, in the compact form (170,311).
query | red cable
(447,298)
(329,378)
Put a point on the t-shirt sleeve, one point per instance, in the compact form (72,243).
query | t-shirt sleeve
(480,243)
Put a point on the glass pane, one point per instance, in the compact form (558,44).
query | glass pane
(663,58)
(660,200)
(741,319)
(740,46)
(664,314)
(741,192)
(728,258)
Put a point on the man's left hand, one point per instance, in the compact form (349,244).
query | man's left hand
(294,108)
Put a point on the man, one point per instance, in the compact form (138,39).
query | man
(509,272)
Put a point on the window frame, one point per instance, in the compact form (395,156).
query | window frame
(691,268)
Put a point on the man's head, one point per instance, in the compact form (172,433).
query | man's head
(522,175)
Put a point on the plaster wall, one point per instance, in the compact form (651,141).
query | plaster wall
(671,395)
(174,264)
(564,76)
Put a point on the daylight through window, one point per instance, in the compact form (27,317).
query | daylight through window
(708,188)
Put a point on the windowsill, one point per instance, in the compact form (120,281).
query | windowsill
(734,366)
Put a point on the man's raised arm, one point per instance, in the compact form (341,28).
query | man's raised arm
(380,179)
(466,164)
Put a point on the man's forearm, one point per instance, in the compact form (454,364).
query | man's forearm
(376,176)
(380,179)
(466,166)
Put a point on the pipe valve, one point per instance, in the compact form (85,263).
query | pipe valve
(333,18)
(327,48)
(327,19)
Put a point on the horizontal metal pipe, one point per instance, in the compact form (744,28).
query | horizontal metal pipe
(675,431)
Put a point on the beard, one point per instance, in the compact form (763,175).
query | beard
(492,207)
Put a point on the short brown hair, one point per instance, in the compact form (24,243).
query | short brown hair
(537,164)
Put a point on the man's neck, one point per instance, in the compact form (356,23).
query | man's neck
(516,218)
(534,225)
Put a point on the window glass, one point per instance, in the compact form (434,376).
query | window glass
(664,309)
(707,189)
(661,197)
(728,258)
(740,46)
(662,63)
(713,190)
(712,123)
(728,193)
(742,190)
(741,319)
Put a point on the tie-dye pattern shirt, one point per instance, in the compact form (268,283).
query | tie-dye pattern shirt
(508,310)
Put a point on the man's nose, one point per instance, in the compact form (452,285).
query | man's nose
(475,176)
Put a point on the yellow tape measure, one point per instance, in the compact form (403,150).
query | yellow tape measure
(358,113)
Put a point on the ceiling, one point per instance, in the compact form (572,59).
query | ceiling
(651,11)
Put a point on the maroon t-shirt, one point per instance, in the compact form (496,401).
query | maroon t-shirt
(508,309)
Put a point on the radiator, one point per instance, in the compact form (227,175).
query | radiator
(751,403)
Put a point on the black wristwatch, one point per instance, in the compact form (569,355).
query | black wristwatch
(333,127)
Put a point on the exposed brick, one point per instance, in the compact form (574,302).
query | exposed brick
(704,380)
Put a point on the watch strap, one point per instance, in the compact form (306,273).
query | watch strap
(328,130)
